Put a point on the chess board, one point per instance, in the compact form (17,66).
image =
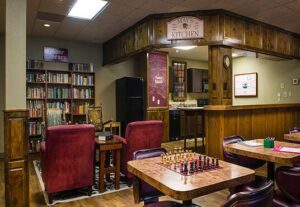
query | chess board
(192,166)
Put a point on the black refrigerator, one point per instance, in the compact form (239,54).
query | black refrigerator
(130,101)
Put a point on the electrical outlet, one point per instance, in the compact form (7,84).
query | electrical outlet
(278,94)
(282,85)
(284,94)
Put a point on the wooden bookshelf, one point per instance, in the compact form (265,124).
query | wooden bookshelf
(72,88)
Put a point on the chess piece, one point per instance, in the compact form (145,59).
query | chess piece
(213,163)
(217,162)
(162,159)
(204,163)
(191,167)
(207,162)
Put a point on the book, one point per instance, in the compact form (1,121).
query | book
(104,136)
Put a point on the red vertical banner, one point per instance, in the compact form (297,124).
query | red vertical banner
(157,89)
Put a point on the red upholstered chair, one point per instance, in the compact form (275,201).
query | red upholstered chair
(67,158)
(288,182)
(139,135)
(260,197)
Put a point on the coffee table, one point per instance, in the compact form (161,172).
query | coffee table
(115,147)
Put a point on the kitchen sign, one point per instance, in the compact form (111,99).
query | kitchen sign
(184,28)
(53,54)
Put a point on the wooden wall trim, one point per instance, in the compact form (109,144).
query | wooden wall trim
(221,28)
(232,108)
(16,158)
(251,123)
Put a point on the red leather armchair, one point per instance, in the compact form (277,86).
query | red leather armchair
(67,158)
(139,135)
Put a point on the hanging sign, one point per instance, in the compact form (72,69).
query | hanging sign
(185,27)
(54,54)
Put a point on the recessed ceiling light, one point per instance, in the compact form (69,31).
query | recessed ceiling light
(47,25)
(87,9)
(185,47)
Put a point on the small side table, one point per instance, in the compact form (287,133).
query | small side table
(115,147)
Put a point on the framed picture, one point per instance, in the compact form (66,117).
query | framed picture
(245,85)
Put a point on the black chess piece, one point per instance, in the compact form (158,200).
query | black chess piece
(217,162)
(191,166)
(213,163)
(204,164)
(181,167)
(207,162)
(185,168)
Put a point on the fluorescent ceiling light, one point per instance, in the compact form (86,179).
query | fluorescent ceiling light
(87,9)
(47,25)
(185,47)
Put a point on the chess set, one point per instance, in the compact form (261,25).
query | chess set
(188,162)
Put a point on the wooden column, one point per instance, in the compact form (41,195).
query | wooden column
(220,79)
(15,114)
(16,158)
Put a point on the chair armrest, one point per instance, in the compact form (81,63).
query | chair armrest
(123,140)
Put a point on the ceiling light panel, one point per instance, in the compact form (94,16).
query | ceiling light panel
(87,9)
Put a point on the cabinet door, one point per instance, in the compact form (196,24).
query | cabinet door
(161,115)
(194,80)
(205,81)
(191,126)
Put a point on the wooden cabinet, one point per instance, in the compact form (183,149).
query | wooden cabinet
(190,125)
(160,115)
(197,80)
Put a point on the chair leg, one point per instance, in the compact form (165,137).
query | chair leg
(50,197)
(90,189)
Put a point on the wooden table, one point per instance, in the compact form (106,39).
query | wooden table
(186,188)
(294,137)
(193,111)
(267,154)
(115,147)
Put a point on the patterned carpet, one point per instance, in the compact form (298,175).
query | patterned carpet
(73,195)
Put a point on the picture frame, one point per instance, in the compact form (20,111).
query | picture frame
(246,85)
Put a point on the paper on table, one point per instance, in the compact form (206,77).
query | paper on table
(251,143)
(287,149)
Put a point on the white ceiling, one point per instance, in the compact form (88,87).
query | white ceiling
(197,53)
(120,14)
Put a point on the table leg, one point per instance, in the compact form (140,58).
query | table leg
(117,167)
(101,171)
(107,165)
(195,127)
(270,170)
(185,130)
(187,202)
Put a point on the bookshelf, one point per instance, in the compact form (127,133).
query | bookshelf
(71,89)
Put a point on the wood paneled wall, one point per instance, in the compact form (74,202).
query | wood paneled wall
(255,122)
(220,79)
(220,28)
(16,158)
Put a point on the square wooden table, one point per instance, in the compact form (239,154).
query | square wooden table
(115,147)
(294,137)
(266,154)
(186,188)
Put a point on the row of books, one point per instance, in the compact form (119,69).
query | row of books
(81,67)
(35,77)
(35,108)
(65,106)
(35,128)
(83,93)
(82,80)
(35,92)
(34,64)
(58,78)
(80,108)
(56,92)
